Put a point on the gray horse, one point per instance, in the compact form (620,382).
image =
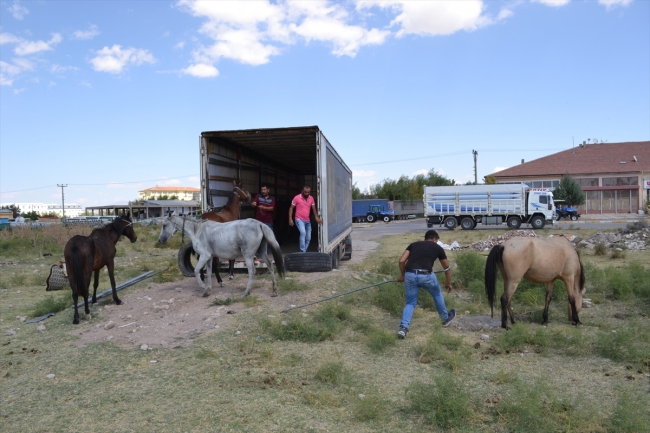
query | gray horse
(246,238)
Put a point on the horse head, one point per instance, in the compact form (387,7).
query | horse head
(169,227)
(127,229)
(240,191)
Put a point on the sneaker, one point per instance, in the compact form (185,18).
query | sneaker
(450,316)
(402,332)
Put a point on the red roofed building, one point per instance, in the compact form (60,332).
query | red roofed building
(614,176)
(186,193)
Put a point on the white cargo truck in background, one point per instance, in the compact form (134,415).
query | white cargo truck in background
(469,205)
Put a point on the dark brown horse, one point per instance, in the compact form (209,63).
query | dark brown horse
(539,260)
(230,212)
(87,254)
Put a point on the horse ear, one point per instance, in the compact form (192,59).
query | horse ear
(234,182)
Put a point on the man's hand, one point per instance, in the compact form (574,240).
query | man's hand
(448,286)
(400,279)
(319,221)
(290,222)
(254,204)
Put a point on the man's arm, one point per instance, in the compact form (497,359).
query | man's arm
(447,268)
(291,208)
(318,220)
(268,208)
(402,265)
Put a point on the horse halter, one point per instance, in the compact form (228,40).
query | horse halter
(246,193)
(130,223)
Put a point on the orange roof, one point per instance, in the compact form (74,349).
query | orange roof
(587,159)
(172,188)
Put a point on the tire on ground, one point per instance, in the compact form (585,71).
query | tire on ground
(308,262)
(185,259)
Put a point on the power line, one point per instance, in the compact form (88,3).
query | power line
(96,184)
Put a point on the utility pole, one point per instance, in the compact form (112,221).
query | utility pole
(62,200)
(475,173)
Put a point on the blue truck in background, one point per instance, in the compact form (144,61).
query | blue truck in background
(372,210)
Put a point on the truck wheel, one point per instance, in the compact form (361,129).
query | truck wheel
(450,223)
(537,222)
(370,218)
(386,219)
(514,222)
(308,262)
(467,223)
(574,218)
(187,258)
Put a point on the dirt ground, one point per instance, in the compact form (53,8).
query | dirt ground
(172,314)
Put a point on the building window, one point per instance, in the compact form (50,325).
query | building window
(591,181)
(617,181)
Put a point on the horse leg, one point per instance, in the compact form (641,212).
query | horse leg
(75,299)
(95,284)
(203,260)
(250,264)
(573,311)
(110,266)
(267,262)
(215,269)
(231,269)
(549,295)
(508,291)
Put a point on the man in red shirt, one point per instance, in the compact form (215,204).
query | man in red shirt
(264,205)
(303,203)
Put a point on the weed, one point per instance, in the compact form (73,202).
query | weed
(471,267)
(203,353)
(291,285)
(477,289)
(18,279)
(251,301)
(332,372)
(227,301)
(600,249)
(619,282)
(370,408)
(630,414)
(639,279)
(324,325)
(617,253)
(502,377)
(522,335)
(595,278)
(442,346)
(388,266)
(322,399)
(447,404)
(390,297)
(630,343)
(379,340)
(52,304)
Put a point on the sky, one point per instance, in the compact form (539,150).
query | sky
(110,97)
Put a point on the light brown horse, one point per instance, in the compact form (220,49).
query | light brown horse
(539,260)
(87,254)
(230,212)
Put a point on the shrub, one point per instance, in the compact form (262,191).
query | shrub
(639,279)
(332,372)
(53,304)
(617,254)
(471,266)
(600,249)
(388,266)
(521,335)
(619,283)
(630,343)
(595,280)
(323,325)
(379,340)
(447,404)
(630,414)
(370,408)
(390,297)
(291,285)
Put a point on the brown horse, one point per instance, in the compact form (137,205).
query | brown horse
(87,254)
(230,212)
(539,260)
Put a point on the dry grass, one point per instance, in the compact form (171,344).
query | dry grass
(254,382)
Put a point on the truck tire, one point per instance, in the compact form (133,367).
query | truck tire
(467,223)
(450,223)
(537,222)
(185,259)
(514,222)
(308,262)
(386,219)
(370,218)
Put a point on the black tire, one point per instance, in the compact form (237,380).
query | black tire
(370,218)
(467,223)
(187,259)
(386,219)
(514,222)
(308,262)
(450,223)
(537,222)
(574,218)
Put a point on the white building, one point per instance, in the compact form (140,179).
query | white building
(71,209)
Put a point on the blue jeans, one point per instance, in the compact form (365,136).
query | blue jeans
(412,285)
(304,227)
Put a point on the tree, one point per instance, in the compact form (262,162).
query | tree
(569,190)
(15,210)
(409,189)
(490,180)
(33,216)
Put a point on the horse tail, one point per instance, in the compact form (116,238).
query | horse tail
(582,274)
(269,237)
(494,258)
(76,274)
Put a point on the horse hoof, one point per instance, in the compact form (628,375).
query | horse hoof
(118,302)
(88,316)
(274,294)
(222,285)
(205,295)
(231,277)
(75,322)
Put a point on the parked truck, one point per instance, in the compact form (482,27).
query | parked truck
(285,159)
(469,205)
(372,210)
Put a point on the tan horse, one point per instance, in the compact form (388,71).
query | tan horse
(539,260)
(230,212)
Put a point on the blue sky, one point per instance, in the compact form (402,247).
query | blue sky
(110,97)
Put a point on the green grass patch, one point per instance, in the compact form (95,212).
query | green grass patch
(471,267)
(370,407)
(53,304)
(379,340)
(291,285)
(332,372)
(323,325)
(631,414)
(447,404)
(629,343)
(521,335)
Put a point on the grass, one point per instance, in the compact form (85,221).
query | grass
(339,367)
(52,304)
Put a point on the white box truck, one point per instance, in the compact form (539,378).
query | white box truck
(469,205)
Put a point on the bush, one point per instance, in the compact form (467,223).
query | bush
(619,283)
(639,279)
(53,304)
(522,335)
(600,249)
(629,343)
(323,325)
(631,414)
(291,285)
(447,404)
(379,340)
(471,267)
(370,408)
(332,372)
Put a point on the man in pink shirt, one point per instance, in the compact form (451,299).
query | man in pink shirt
(303,203)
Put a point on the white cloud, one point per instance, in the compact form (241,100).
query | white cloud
(431,18)
(553,3)
(92,31)
(498,169)
(86,84)
(8,38)
(18,11)
(613,3)
(21,90)
(9,71)
(114,59)
(422,171)
(25,48)
(58,69)
(201,70)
